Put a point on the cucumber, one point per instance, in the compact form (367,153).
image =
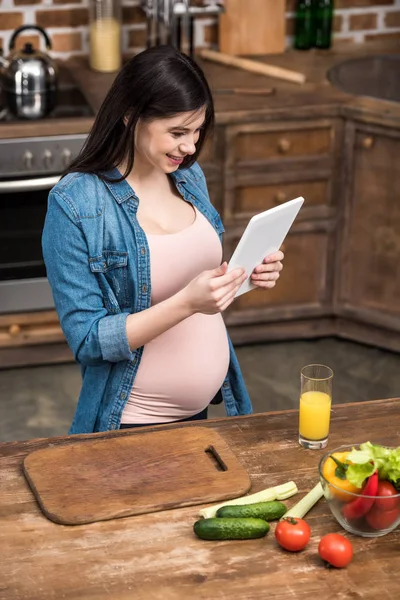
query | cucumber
(230,529)
(260,510)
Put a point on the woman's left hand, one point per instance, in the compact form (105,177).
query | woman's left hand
(266,275)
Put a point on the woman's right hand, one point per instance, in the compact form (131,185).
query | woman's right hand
(213,291)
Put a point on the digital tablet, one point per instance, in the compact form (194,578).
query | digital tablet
(263,235)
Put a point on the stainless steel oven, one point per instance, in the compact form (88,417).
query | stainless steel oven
(29,168)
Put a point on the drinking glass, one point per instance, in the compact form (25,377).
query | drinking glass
(315,406)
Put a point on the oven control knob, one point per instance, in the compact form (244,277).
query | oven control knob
(66,157)
(28,159)
(47,158)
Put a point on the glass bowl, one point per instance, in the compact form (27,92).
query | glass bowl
(378,521)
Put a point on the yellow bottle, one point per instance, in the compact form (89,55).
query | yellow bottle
(105,36)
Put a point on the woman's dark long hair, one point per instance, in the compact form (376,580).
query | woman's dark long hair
(157,83)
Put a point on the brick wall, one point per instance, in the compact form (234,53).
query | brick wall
(66,22)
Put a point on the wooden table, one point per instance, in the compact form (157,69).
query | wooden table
(157,555)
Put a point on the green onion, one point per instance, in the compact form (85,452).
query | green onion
(279,492)
(305,504)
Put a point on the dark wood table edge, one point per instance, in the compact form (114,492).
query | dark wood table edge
(6,447)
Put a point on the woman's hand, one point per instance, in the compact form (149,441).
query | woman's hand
(266,275)
(213,291)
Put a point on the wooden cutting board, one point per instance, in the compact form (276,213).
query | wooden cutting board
(134,473)
(252,27)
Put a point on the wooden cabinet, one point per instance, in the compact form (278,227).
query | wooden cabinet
(211,160)
(304,289)
(368,266)
(258,142)
(252,199)
(26,328)
(30,338)
(265,165)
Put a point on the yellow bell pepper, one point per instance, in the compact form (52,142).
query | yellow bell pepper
(342,486)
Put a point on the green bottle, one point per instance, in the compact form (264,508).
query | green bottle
(304,33)
(323,19)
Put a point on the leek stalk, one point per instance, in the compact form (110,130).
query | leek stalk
(305,504)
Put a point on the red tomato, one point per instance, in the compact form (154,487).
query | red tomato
(292,534)
(387,502)
(335,550)
(381,519)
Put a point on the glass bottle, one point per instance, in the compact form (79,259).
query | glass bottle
(304,32)
(105,35)
(323,18)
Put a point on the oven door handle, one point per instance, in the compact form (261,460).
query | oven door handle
(29,185)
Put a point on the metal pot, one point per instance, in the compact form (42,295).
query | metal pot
(29,78)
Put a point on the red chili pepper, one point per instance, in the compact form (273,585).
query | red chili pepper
(360,506)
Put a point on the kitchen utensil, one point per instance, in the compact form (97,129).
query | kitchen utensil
(253,66)
(173,21)
(252,27)
(134,473)
(29,78)
(246,91)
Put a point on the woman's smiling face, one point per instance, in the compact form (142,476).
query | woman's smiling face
(164,143)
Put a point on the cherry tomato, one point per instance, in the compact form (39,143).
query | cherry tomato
(292,534)
(381,519)
(387,502)
(335,550)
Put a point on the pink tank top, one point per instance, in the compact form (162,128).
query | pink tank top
(182,369)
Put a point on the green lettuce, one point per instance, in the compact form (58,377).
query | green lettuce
(370,457)
(357,474)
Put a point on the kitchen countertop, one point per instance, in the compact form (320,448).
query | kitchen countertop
(290,100)
(157,556)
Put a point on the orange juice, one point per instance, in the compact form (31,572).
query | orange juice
(315,413)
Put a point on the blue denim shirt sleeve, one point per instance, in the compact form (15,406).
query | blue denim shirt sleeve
(93,335)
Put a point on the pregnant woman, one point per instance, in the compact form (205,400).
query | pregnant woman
(133,252)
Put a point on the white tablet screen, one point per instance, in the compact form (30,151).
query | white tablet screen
(263,235)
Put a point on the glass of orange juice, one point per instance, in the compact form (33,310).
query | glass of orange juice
(315,406)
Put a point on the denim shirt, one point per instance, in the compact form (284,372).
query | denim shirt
(98,266)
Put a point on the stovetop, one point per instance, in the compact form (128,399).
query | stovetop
(70,103)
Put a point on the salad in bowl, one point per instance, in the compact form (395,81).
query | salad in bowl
(362,487)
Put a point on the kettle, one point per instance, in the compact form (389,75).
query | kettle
(28,78)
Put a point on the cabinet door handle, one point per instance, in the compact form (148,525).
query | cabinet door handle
(280,197)
(14,330)
(386,242)
(284,145)
(368,142)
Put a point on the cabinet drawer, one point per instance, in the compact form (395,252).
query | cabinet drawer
(261,142)
(302,289)
(24,329)
(250,200)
